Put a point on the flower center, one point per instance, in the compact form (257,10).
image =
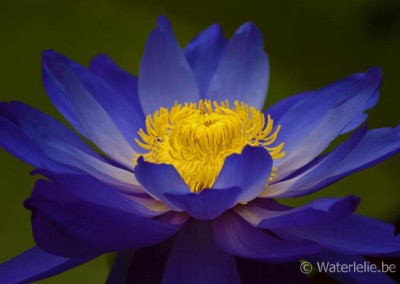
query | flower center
(196,138)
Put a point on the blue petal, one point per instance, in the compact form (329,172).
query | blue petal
(309,125)
(263,213)
(205,205)
(237,237)
(165,75)
(34,265)
(159,179)
(203,54)
(249,171)
(243,71)
(69,223)
(125,108)
(355,235)
(124,83)
(34,134)
(92,107)
(351,276)
(361,117)
(86,188)
(358,153)
(15,141)
(196,259)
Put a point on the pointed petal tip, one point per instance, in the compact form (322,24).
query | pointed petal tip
(249,28)
(163,23)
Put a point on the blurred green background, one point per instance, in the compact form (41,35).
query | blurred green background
(310,43)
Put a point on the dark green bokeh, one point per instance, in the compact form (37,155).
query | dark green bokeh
(310,43)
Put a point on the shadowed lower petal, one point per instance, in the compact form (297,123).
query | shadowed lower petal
(35,264)
(195,258)
(235,236)
(268,214)
(353,235)
(71,225)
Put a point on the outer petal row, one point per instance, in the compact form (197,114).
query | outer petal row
(311,121)
(45,143)
(361,150)
(35,264)
(78,216)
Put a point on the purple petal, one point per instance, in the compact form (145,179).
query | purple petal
(15,141)
(243,71)
(249,171)
(205,205)
(196,259)
(328,258)
(124,83)
(355,235)
(204,53)
(72,224)
(309,125)
(165,75)
(234,235)
(34,265)
(125,107)
(92,107)
(57,148)
(157,179)
(354,155)
(264,214)
(83,188)
(362,116)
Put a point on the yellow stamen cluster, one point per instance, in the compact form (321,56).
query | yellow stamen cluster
(197,137)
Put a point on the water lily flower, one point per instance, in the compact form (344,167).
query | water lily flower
(184,181)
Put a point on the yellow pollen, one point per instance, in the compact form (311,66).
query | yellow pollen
(197,137)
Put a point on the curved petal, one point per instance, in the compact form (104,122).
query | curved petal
(317,168)
(35,264)
(243,71)
(309,125)
(92,106)
(237,237)
(249,171)
(121,81)
(280,108)
(196,259)
(205,205)
(56,147)
(355,235)
(268,214)
(327,258)
(84,188)
(204,53)
(165,76)
(125,108)
(14,141)
(354,155)
(158,179)
(65,223)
